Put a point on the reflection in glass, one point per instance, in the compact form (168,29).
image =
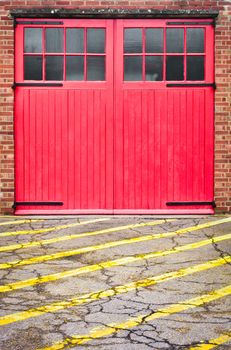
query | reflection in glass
(74,68)
(95,40)
(195,68)
(195,40)
(154,68)
(95,68)
(133,68)
(175,68)
(133,40)
(54,67)
(175,40)
(154,40)
(32,67)
(33,40)
(75,40)
(54,40)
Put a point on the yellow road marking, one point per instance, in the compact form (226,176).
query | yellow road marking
(213,343)
(107,264)
(17,222)
(112,328)
(87,249)
(101,294)
(110,230)
(49,229)
(78,235)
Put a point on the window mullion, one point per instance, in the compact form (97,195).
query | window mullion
(185,68)
(85,53)
(43,52)
(143,54)
(164,57)
(64,54)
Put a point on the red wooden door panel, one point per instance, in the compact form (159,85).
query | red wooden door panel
(64,136)
(118,121)
(163,136)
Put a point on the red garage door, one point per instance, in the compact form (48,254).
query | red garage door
(114,116)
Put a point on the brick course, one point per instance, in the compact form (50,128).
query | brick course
(222,78)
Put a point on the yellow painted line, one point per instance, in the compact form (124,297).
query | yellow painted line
(17,222)
(87,249)
(111,230)
(107,264)
(49,229)
(101,294)
(112,328)
(213,343)
(79,235)
(63,254)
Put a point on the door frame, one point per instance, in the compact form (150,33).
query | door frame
(116,74)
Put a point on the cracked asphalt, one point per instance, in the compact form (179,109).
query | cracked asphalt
(115,283)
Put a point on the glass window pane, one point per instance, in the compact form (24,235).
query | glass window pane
(32,67)
(175,40)
(75,40)
(74,68)
(154,68)
(95,68)
(195,40)
(95,40)
(33,40)
(195,68)
(133,68)
(133,40)
(154,40)
(54,67)
(175,68)
(54,40)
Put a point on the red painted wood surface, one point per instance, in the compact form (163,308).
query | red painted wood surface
(114,146)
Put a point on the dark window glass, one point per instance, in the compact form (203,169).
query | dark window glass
(54,67)
(133,40)
(133,68)
(95,68)
(32,67)
(75,40)
(195,40)
(195,68)
(154,68)
(175,40)
(74,68)
(95,40)
(54,40)
(175,68)
(33,40)
(154,40)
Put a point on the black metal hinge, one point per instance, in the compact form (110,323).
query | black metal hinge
(191,203)
(35,203)
(192,85)
(36,84)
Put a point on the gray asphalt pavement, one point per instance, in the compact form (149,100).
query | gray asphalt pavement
(115,283)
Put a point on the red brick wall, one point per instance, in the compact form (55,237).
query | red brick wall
(222,78)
